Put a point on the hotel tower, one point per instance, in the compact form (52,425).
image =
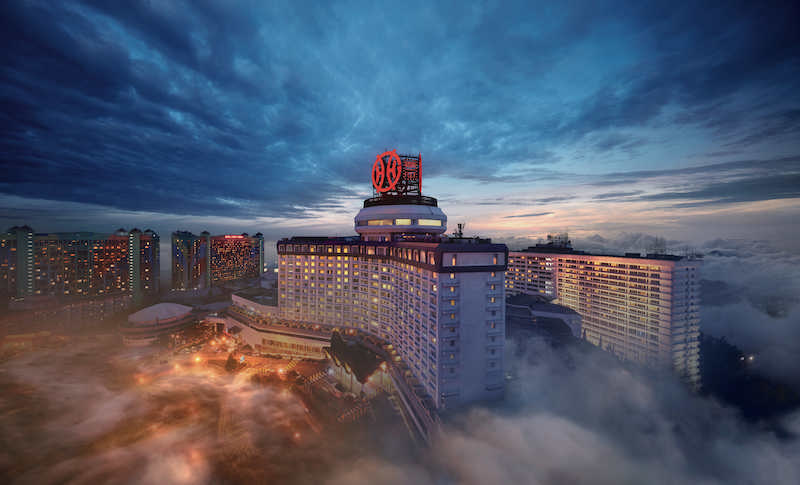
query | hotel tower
(641,308)
(202,261)
(78,263)
(438,300)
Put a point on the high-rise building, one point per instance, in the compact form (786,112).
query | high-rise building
(439,301)
(641,308)
(78,263)
(202,261)
(190,260)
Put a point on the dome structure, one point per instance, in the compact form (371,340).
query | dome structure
(160,313)
(148,325)
(380,222)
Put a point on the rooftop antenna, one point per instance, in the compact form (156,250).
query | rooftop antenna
(459,232)
(657,246)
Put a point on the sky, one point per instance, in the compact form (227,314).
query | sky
(674,119)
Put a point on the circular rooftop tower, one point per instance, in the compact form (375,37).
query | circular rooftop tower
(398,210)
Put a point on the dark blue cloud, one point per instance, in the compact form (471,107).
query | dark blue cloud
(533,214)
(209,108)
(745,190)
(616,195)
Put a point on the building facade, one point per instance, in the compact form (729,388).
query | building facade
(202,261)
(641,308)
(438,301)
(79,263)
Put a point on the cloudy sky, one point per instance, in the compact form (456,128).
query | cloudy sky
(681,121)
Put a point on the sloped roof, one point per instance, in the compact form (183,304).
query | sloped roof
(362,361)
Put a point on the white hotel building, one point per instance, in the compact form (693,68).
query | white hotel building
(641,308)
(439,301)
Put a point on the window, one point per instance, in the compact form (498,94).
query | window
(452,343)
(402,222)
(379,222)
(494,259)
(452,303)
(453,260)
(452,276)
(429,222)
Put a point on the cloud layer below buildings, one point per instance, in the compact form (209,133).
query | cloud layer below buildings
(569,418)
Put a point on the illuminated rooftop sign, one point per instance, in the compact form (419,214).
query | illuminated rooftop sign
(233,236)
(386,171)
(394,174)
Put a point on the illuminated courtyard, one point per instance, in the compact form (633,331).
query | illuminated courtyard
(93,410)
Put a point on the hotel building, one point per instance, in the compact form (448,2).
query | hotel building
(78,263)
(202,261)
(438,301)
(641,308)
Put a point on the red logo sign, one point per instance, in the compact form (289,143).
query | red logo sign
(386,171)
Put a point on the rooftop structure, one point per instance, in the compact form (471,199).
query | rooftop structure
(535,314)
(147,325)
(159,313)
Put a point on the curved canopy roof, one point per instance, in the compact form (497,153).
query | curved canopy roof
(159,312)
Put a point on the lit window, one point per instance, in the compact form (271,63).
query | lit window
(402,222)
(429,222)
